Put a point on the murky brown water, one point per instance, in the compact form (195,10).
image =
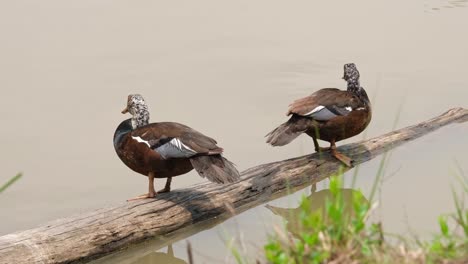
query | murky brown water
(228,69)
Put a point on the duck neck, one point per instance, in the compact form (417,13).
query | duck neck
(140,117)
(355,88)
(354,85)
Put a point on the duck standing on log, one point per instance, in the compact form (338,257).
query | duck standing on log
(329,114)
(167,149)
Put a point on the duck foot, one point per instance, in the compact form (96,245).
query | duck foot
(151,192)
(165,190)
(341,157)
(143,196)
(318,148)
(167,187)
(321,149)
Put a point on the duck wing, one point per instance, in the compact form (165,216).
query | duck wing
(174,140)
(324,104)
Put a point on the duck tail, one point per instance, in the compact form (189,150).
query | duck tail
(279,211)
(215,168)
(287,132)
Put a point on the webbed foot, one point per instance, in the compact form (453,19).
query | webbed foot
(143,196)
(341,157)
(165,190)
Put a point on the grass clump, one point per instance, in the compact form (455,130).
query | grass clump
(338,232)
(451,244)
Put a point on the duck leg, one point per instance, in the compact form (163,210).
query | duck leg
(151,192)
(167,187)
(317,146)
(339,156)
(313,188)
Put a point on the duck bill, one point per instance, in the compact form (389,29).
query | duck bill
(125,110)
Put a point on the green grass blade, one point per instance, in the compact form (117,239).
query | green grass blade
(380,172)
(10,182)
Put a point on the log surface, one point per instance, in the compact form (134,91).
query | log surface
(94,234)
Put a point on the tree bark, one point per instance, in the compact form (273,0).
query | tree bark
(95,234)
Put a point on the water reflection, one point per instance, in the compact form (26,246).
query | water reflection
(160,258)
(318,202)
(145,252)
(439,5)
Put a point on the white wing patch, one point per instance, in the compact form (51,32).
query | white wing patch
(175,149)
(140,140)
(180,144)
(322,113)
(316,109)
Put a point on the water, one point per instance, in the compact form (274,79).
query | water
(228,69)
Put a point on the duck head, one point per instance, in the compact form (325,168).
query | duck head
(137,107)
(351,76)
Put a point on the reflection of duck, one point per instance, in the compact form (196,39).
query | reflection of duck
(160,258)
(328,114)
(317,203)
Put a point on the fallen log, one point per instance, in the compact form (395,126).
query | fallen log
(94,234)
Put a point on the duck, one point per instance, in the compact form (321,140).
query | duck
(167,149)
(329,114)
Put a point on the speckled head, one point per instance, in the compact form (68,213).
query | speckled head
(137,107)
(351,76)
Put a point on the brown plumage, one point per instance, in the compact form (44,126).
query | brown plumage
(329,114)
(168,149)
(326,97)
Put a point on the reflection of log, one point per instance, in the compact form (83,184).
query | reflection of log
(95,234)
